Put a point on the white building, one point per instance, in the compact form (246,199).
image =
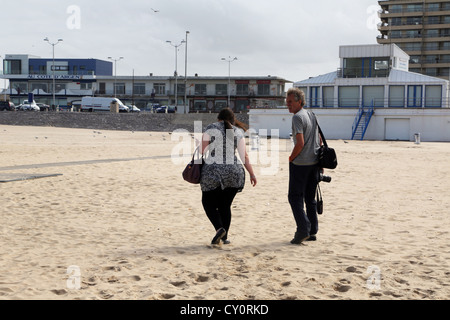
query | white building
(371,96)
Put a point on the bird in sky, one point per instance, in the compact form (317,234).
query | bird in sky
(154,10)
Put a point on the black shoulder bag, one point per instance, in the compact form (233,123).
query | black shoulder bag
(327,155)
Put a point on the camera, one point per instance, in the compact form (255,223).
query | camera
(324,178)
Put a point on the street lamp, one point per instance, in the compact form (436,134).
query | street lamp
(4,78)
(115,72)
(229,60)
(176,46)
(185,73)
(53,69)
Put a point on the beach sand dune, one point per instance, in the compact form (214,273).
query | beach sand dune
(120,223)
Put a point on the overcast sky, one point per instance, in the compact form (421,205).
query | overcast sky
(292,39)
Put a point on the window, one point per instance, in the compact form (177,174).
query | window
(86,86)
(139,88)
(328,97)
(414,20)
(12,66)
(242,89)
(433,33)
(102,88)
(200,89)
(396,8)
(315,97)
(221,89)
(431,46)
(433,7)
(414,8)
(414,59)
(349,96)
(396,21)
(433,96)
(59,87)
(200,105)
(219,105)
(20,87)
(159,88)
(396,96)
(180,89)
(39,86)
(264,89)
(411,46)
(381,65)
(120,88)
(433,20)
(414,96)
(396,34)
(59,68)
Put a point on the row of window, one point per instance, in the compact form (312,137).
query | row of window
(427,46)
(140,88)
(412,21)
(430,7)
(410,96)
(432,33)
(199,89)
(13,67)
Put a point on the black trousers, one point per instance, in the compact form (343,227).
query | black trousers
(217,205)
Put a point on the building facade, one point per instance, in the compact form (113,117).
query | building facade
(76,78)
(422,29)
(371,96)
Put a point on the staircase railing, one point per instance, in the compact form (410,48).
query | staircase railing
(362,121)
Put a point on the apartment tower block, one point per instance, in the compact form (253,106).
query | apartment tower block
(421,28)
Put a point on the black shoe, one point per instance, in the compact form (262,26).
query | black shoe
(219,235)
(226,241)
(312,238)
(298,239)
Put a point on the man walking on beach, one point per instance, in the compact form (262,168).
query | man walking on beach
(303,167)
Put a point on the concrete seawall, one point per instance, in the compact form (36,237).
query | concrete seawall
(110,121)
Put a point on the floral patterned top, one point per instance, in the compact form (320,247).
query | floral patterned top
(222,168)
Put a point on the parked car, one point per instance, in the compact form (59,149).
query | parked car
(43,107)
(165,109)
(133,108)
(29,106)
(7,106)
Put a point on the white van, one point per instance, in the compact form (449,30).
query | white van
(94,104)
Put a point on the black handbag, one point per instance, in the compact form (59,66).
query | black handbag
(193,171)
(327,155)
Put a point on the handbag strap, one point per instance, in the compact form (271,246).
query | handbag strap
(197,151)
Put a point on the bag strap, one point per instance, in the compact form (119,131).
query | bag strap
(320,131)
(319,192)
(197,151)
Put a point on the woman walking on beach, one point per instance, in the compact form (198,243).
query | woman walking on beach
(223,176)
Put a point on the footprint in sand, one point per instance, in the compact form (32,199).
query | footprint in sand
(341,287)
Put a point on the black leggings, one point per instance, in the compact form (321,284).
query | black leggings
(217,205)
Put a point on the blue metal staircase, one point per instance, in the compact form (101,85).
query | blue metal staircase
(362,121)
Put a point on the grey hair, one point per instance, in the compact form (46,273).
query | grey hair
(298,94)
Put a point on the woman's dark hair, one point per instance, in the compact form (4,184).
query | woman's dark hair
(227,116)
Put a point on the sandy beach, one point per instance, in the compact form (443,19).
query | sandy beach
(112,218)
